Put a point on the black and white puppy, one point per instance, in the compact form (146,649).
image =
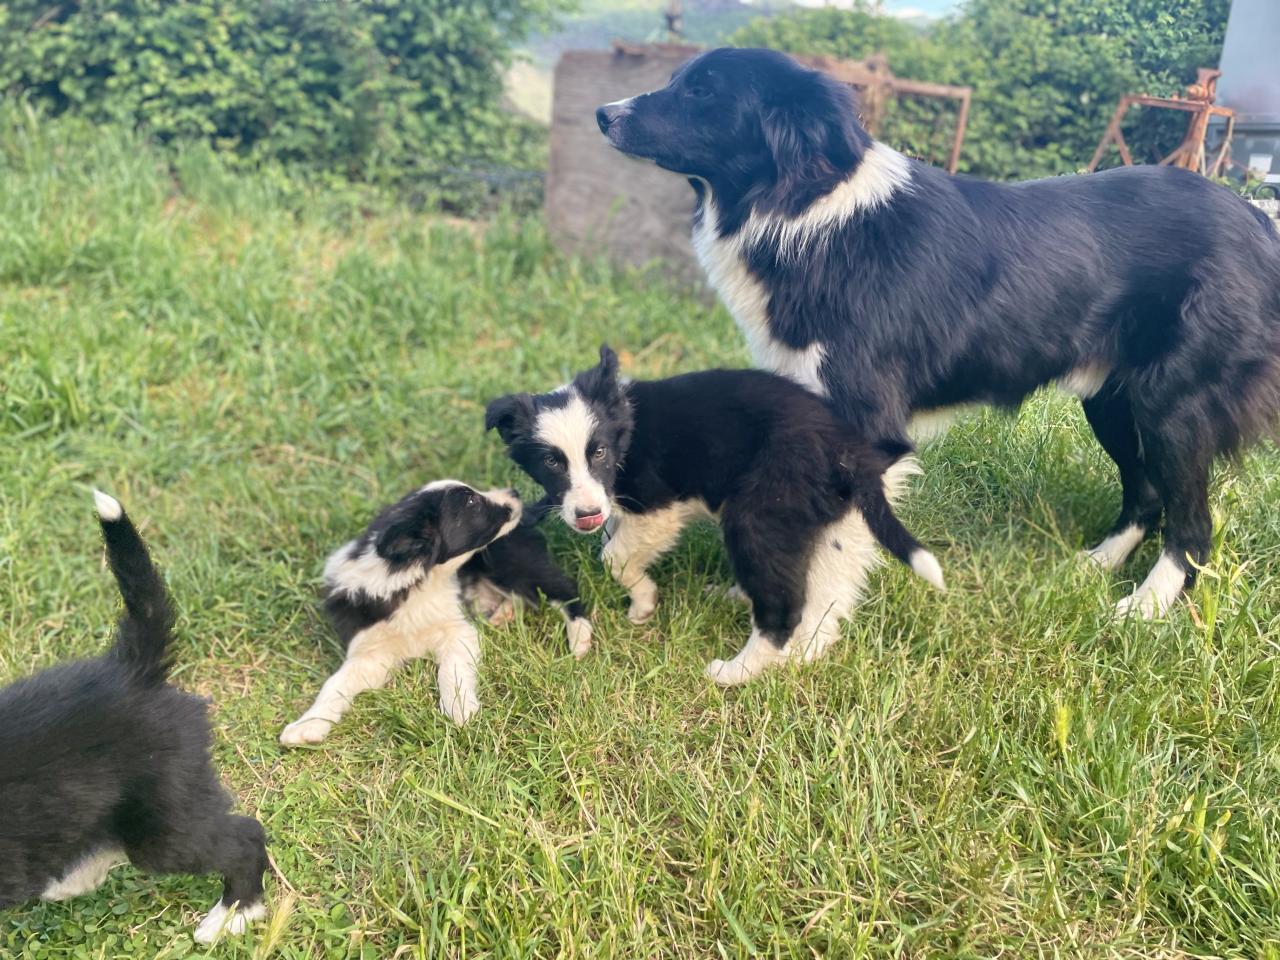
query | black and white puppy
(800,499)
(102,762)
(398,591)
(900,292)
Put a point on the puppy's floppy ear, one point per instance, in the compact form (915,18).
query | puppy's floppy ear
(510,415)
(411,532)
(811,129)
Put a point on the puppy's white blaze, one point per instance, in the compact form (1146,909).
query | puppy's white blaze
(1115,549)
(925,566)
(1085,381)
(748,302)
(86,874)
(108,507)
(1157,593)
(222,920)
(568,429)
(882,173)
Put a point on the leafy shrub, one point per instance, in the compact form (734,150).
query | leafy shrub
(406,93)
(1046,74)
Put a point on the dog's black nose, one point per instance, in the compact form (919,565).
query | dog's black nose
(607,114)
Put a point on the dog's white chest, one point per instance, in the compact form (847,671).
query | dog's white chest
(748,302)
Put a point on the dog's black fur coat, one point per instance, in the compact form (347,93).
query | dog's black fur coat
(766,455)
(104,754)
(955,290)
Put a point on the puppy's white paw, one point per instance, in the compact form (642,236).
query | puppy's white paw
(579,631)
(728,673)
(305,730)
(502,614)
(1142,604)
(223,920)
(459,707)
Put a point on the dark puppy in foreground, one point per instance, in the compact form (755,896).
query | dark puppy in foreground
(102,761)
(900,292)
(397,593)
(800,498)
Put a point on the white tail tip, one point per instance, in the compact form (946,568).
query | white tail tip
(925,566)
(108,507)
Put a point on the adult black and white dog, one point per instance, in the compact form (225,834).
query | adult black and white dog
(102,761)
(800,499)
(397,593)
(899,292)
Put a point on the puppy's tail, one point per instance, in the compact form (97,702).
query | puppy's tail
(142,636)
(888,530)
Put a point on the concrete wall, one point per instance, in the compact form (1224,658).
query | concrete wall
(598,200)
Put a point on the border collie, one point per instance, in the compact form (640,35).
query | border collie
(102,761)
(397,593)
(898,291)
(800,499)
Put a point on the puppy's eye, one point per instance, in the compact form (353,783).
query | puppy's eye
(551,460)
(472,501)
(598,454)
(698,90)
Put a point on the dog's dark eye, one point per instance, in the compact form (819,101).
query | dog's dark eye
(472,501)
(698,90)
(598,453)
(551,460)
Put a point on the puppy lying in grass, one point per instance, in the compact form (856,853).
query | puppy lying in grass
(102,761)
(800,497)
(397,593)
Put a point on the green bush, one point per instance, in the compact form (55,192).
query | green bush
(404,93)
(1046,74)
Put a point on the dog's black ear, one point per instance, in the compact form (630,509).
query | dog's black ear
(510,415)
(601,381)
(813,135)
(409,539)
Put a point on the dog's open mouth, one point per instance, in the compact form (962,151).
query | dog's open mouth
(589,523)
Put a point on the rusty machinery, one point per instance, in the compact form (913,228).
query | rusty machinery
(1190,154)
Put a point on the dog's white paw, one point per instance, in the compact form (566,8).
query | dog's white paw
(502,614)
(305,730)
(225,921)
(1143,604)
(728,673)
(579,631)
(459,707)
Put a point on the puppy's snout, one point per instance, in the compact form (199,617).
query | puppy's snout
(608,114)
(588,518)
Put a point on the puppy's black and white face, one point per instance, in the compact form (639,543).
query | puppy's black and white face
(751,116)
(445,520)
(571,441)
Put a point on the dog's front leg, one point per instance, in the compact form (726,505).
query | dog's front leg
(458,657)
(368,667)
(636,541)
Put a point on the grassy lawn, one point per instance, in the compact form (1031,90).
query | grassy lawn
(1000,771)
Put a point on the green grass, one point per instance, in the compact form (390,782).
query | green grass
(1001,771)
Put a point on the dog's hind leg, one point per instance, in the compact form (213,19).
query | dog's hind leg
(239,853)
(1110,415)
(368,666)
(1179,465)
(85,875)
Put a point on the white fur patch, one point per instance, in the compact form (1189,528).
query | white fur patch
(86,874)
(1085,381)
(1115,549)
(108,507)
(579,629)
(882,173)
(1157,593)
(569,429)
(224,920)
(636,540)
(925,566)
(748,302)
(927,425)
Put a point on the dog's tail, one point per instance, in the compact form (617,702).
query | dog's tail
(888,530)
(142,636)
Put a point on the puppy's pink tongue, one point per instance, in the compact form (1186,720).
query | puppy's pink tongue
(589,523)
